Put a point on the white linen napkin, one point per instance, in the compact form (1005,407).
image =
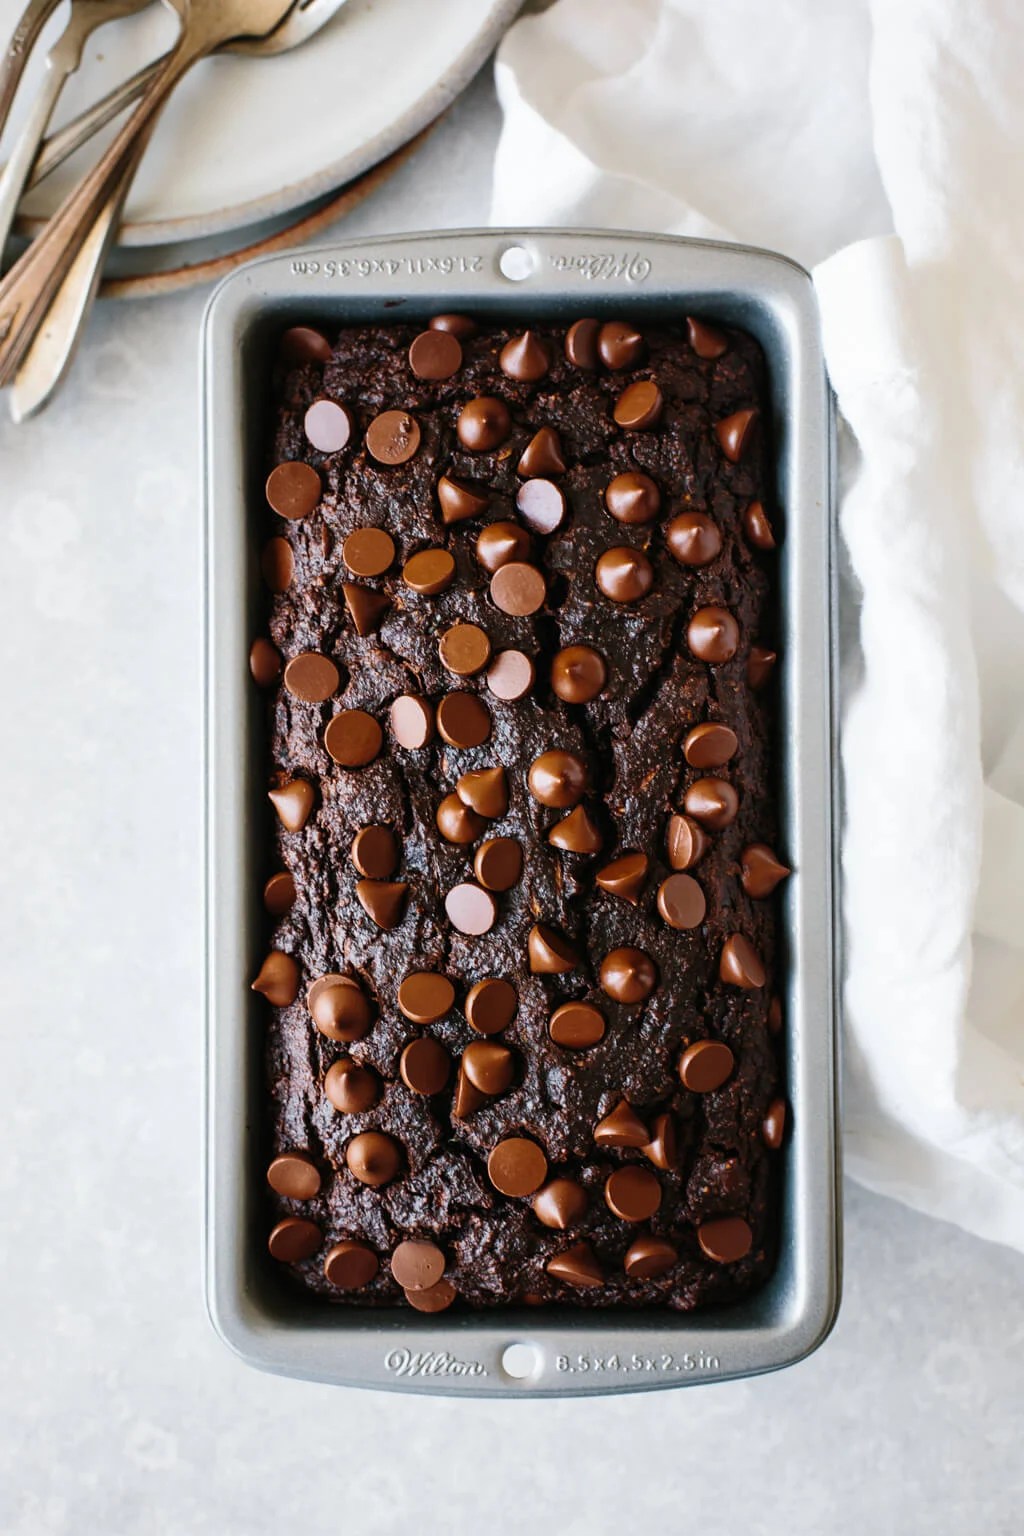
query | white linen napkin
(880,143)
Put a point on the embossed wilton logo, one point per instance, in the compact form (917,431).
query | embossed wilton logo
(605,264)
(430,1363)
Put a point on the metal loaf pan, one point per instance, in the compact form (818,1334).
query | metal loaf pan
(514,273)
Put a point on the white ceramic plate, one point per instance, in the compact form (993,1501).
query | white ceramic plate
(247,139)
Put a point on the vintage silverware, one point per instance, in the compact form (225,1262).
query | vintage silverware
(29,288)
(61,62)
(18,51)
(54,346)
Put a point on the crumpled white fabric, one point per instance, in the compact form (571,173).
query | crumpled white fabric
(881,144)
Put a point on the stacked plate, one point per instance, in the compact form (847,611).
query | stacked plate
(253,154)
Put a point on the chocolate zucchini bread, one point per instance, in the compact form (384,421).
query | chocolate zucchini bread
(521,933)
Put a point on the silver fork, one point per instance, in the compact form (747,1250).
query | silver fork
(61,62)
(53,349)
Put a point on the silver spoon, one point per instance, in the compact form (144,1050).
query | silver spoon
(53,349)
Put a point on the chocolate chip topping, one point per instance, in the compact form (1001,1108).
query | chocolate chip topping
(460,499)
(541,505)
(456,822)
(425,1066)
(625,876)
(311,677)
(726,1240)
(685,841)
(485,790)
(294,1239)
(705,1066)
(366,609)
(517,588)
(760,666)
(294,490)
(740,964)
(425,996)
(693,538)
(368,551)
(373,1158)
(542,455)
(417,1265)
(713,635)
(620,345)
(375,852)
(393,437)
(550,952)
(712,802)
(483,424)
(436,1298)
(632,498)
(429,572)
(265,663)
(491,1005)
(435,354)
(581,345)
(663,1148)
(628,975)
(624,575)
(328,425)
(576,833)
(639,407)
(277,564)
(464,649)
(760,871)
(353,738)
(489,1067)
(279,893)
(461,326)
(632,1193)
(560,1204)
(278,979)
(383,901)
(350,1265)
(463,720)
(339,1008)
(648,1258)
(773,1127)
(577,1026)
(524,358)
(757,527)
(498,863)
(294,1175)
(681,902)
(351,1087)
(471,909)
(501,543)
(576,1266)
(705,340)
(578,673)
(734,433)
(621,1127)
(301,344)
(517,1166)
(710,745)
(412,721)
(557,778)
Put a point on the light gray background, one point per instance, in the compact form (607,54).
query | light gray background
(120,1412)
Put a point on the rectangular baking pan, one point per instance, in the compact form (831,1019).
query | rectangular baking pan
(516,274)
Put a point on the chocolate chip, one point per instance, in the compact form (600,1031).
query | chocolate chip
(412,721)
(373,1158)
(681,902)
(491,1005)
(498,863)
(435,354)
(351,1087)
(632,498)
(490,1068)
(577,1026)
(339,1008)
(624,876)
(541,505)
(425,1066)
(383,901)
(368,551)
(740,964)
(353,738)
(500,543)
(576,1266)
(773,1127)
(639,406)
(350,1265)
(578,673)
(511,675)
(757,527)
(693,538)
(735,432)
(710,745)
(366,608)
(417,1265)
(436,1298)
(647,1258)
(463,720)
(464,649)
(517,1166)
(550,952)
(775,1020)
(429,572)
(761,871)
(726,1240)
(278,979)
(706,1065)
(705,340)
(524,358)
(623,574)
(557,779)
(760,665)
(483,424)
(459,499)
(713,635)
(628,975)
(581,344)
(686,842)
(518,589)
(293,803)
(301,344)
(294,1175)
(620,345)
(560,1204)
(460,326)
(279,894)
(712,802)
(277,564)
(663,1148)
(632,1193)
(542,455)
(294,490)
(576,833)
(457,823)
(311,677)
(393,437)
(425,996)
(471,909)
(622,1127)
(484,790)
(466,1099)
(264,662)
(375,852)
(294,1239)
(327,425)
